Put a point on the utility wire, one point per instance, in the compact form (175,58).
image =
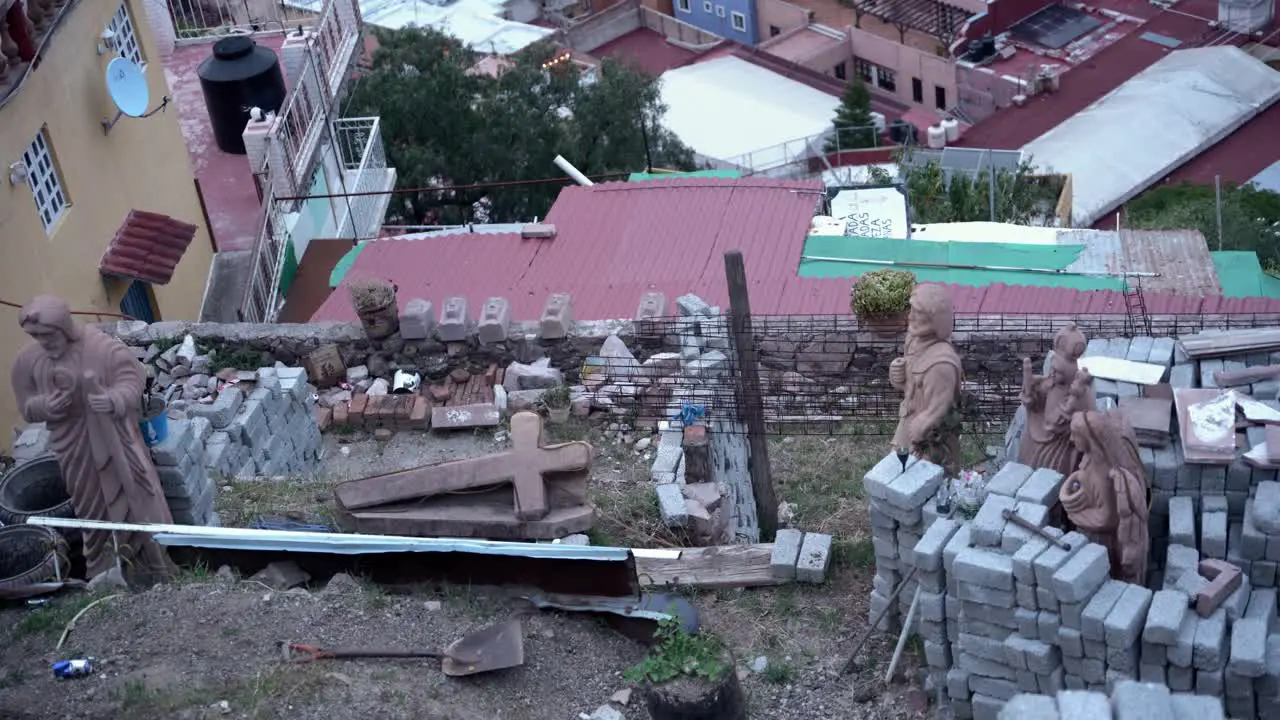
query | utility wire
(447,188)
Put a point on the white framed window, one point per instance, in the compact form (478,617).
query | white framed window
(125,38)
(46,184)
(739,21)
(706,6)
(720,11)
(682,5)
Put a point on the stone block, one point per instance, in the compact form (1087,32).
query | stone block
(1080,705)
(1213,533)
(454,320)
(1041,487)
(1030,707)
(691,305)
(927,554)
(1263,605)
(1195,707)
(1048,562)
(1182,653)
(1266,507)
(987,527)
(417,320)
(1209,644)
(815,558)
(1082,574)
(1141,701)
(174,448)
(557,317)
(653,305)
(1125,622)
(672,506)
(913,488)
(881,475)
(1253,543)
(985,568)
(1008,480)
(219,412)
(1094,615)
(1248,656)
(1165,617)
(1182,521)
(495,319)
(1024,558)
(786,550)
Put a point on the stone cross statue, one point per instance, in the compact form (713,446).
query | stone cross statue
(87,388)
(930,377)
(1051,400)
(1107,497)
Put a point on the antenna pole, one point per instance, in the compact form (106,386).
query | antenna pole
(991,181)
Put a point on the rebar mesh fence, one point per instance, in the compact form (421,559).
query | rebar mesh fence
(829,374)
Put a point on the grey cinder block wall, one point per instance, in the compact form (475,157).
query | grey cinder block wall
(1013,625)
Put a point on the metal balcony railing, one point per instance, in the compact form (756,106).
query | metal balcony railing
(364,165)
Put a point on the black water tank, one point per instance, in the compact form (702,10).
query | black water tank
(240,75)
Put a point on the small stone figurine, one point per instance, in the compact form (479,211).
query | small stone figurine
(930,377)
(1051,400)
(86,387)
(1107,497)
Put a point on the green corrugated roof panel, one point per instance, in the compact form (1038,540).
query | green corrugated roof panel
(984,259)
(344,264)
(641,177)
(1242,276)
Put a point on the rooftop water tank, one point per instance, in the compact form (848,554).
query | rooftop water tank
(952,127)
(238,76)
(936,137)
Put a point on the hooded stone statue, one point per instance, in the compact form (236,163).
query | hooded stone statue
(1106,498)
(87,388)
(930,377)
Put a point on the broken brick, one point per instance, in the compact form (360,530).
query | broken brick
(324,418)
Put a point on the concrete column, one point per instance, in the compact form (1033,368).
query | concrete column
(255,142)
(293,54)
(161,24)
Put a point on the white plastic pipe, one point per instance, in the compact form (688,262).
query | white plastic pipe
(902,639)
(572,171)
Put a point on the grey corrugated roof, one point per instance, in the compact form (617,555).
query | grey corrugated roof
(1179,258)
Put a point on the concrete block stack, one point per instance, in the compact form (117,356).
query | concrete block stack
(1129,701)
(179,461)
(896,500)
(269,431)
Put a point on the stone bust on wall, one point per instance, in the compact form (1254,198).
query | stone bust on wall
(1107,497)
(930,376)
(1051,400)
(87,388)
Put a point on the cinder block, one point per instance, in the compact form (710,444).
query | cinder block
(913,488)
(417,320)
(1009,480)
(815,558)
(987,527)
(1030,707)
(1041,487)
(927,553)
(1248,656)
(1125,622)
(1080,705)
(1209,644)
(1182,521)
(454,320)
(1081,575)
(1094,615)
(786,551)
(495,318)
(1141,701)
(1165,616)
(985,568)
(220,412)
(557,317)
(1048,562)
(672,506)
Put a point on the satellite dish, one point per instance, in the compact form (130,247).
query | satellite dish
(128,87)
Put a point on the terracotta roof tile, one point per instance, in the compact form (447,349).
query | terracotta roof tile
(147,247)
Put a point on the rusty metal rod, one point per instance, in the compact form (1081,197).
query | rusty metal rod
(1029,526)
(853,656)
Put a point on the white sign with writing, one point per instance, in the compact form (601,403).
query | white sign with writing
(871,212)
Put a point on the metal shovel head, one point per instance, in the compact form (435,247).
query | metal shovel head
(494,648)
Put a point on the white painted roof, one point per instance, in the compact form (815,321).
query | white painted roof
(1155,122)
(476,23)
(726,107)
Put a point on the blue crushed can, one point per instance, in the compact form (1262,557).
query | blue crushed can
(76,668)
(38,603)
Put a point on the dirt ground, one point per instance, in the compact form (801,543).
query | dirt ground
(205,646)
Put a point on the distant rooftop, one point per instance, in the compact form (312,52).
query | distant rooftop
(647,50)
(478,24)
(1154,122)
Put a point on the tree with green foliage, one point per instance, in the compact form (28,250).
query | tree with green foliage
(1250,217)
(853,125)
(445,124)
(1022,196)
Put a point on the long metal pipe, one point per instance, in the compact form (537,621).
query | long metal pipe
(946,266)
(572,171)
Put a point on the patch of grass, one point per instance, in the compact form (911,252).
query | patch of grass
(256,696)
(628,516)
(306,499)
(52,618)
(13,677)
(857,553)
(779,672)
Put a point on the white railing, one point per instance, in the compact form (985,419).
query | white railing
(364,165)
(201,19)
(295,141)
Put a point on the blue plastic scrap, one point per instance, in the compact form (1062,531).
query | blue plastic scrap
(690,414)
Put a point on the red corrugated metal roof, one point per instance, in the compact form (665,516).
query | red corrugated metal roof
(147,247)
(617,241)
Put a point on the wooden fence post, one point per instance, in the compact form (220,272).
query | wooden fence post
(749,396)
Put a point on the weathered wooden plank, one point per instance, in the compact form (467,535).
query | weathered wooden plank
(724,566)
(1229,342)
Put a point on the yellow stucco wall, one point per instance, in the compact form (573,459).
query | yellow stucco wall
(141,163)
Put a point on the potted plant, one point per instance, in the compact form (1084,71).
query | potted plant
(881,300)
(557,401)
(374,301)
(688,677)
